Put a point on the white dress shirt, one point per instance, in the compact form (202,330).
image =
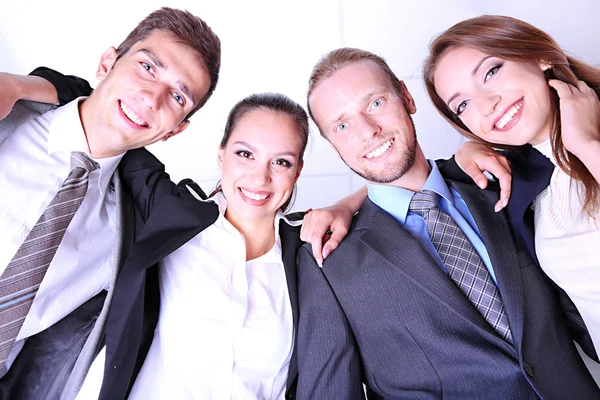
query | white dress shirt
(567,243)
(225,329)
(34,162)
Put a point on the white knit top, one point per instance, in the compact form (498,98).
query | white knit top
(567,243)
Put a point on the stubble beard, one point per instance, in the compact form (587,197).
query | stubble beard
(392,171)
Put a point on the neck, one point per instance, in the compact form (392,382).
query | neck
(414,179)
(258,235)
(96,146)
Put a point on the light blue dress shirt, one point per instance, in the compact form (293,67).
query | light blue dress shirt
(395,201)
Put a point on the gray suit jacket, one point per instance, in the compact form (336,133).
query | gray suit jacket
(382,312)
(54,363)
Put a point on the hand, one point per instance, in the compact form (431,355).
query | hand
(325,228)
(579,116)
(10,90)
(474,158)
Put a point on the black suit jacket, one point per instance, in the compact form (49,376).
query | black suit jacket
(382,312)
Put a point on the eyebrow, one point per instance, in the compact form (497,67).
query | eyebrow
(160,65)
(248,145)
(473,73)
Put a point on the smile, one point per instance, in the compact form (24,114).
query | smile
(508,115)
(254,196)
(381,150)
(131,115)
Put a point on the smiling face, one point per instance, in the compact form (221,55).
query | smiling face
(504,102)
(144,96)
(260,164)
(367,121)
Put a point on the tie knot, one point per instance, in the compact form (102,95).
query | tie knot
(423,201)
(82,160)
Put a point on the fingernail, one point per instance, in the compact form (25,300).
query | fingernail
(326,253)
(320,263)
(497,207)
(481,183)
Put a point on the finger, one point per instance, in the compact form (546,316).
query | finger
(583,87)
(334,241)
(475,172)
(317,249)
(563,89)
(505,181)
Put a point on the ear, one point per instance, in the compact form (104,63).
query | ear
(177,130)
(545,65)
(106,63)
(220,156)
(409,102)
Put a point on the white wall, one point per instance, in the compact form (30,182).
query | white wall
(271,45)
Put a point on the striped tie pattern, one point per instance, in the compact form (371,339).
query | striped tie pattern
(24,274)
(462,261)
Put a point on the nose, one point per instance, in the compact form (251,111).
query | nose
(260,175)
(487,103)
(368,126)
(152,95)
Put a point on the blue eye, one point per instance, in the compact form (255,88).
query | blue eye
(147,66)
(492,72)
(341,127)
(377,103)
(461,107)
(178,98)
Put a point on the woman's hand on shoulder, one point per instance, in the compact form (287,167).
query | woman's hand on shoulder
(475,158)
(579,117)
(325,228)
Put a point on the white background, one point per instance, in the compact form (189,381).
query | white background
(271,45)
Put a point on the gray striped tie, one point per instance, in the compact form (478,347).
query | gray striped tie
(24,274)
(462,261)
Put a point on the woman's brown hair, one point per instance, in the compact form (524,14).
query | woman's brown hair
(515,40)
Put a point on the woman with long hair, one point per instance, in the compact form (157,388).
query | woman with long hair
(504,83)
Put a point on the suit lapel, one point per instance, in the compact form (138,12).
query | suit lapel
(290,243)
(497,237)
(407,257)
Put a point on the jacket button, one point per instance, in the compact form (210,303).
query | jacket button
(528,369)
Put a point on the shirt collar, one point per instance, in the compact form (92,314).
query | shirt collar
(273,255)
(395,200)
(66,135)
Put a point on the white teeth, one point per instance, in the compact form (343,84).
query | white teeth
(132,115)
(508,116)
(381,150)
(254,196)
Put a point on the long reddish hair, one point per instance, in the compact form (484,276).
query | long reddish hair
(515,40)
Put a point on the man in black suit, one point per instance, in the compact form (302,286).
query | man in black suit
(429,295)
(160,75)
